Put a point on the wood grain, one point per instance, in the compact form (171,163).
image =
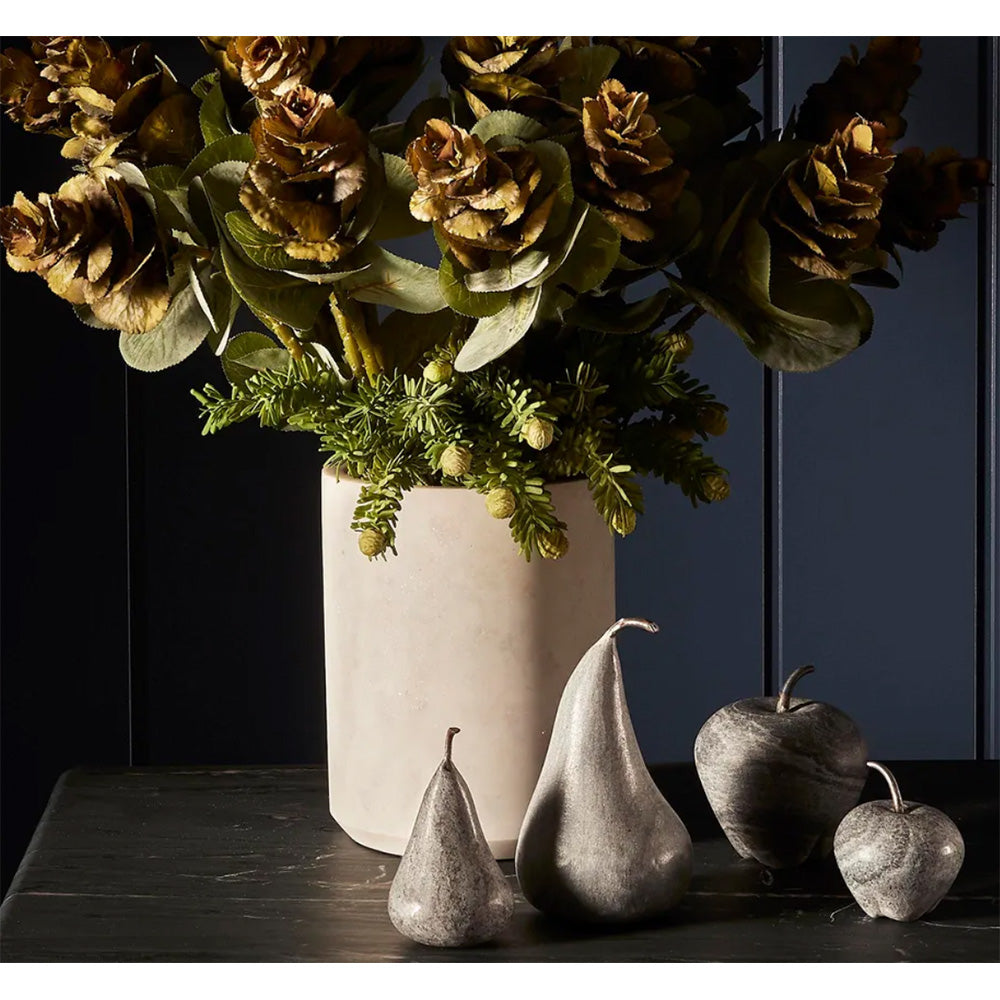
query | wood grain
(210,864)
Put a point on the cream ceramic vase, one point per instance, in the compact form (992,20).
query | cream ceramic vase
(456,630)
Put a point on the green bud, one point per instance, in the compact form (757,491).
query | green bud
(623,521)
(437,371)
(681,344)
(500,503)
(538,433)
(456,460)
(714,487)
(713,420)
(553,544)
(371,542)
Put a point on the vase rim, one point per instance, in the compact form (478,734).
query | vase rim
(343,477)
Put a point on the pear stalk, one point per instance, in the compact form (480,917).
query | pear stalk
(448,740)
(623,623)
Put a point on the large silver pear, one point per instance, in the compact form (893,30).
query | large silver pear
(599,843)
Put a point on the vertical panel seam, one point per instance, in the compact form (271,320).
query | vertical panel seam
(128,570)
(772,399)
(987,540)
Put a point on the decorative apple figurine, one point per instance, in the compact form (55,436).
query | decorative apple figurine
(898,858)
(780,774)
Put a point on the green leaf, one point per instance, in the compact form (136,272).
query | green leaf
(217,300)
(404,337)
(222,185)
(612,315)
(594,253)
(790,321)
(203,84)
(451,280)
(395,220)
(510,275)
(250,352)
(560,250)
(394,281)
(594,64)
(231,147)
(172,340)
(213,116)
(507,123)
(494,335)
(283,298)
(557,172)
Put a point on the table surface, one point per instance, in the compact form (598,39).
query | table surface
(245,864)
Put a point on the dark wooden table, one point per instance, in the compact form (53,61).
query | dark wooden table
(246,864)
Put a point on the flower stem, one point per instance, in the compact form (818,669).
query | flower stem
(362,354)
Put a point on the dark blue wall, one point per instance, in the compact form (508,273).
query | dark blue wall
(162,597)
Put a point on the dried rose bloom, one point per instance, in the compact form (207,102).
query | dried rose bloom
(508,71)
(25,94)
(876,87)
(110,105)
(825,210)
(271,66)
(95,242)
(924,191)
(374,72)
(668,68)
(309,175)
(630,172)
(481,200)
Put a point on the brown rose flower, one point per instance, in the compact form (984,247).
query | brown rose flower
(924,191)
(25,93)
(481,200)
(630,173)
(876,87)
(271,66)
(309,175)
(95,243)
(825,209)
(508,71)
(667,68)
(111,105)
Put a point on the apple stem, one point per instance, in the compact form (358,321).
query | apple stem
(448,741)
(630,623)
(786,689)
(897,799)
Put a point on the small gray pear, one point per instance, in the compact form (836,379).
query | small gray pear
(448,890)
(599,843)
(899,859)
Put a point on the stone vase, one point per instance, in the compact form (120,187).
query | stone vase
(456,630)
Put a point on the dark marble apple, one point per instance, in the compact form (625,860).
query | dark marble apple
(899,859)
(780,773)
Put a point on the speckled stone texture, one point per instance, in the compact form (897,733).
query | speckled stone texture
(599,843)
(448,890)
(780,782)
(898,864)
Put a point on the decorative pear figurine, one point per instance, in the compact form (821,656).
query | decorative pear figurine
(448,890)
(599,843)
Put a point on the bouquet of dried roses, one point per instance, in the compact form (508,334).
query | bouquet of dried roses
(589,201)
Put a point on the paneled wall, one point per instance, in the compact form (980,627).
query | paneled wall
(162,590)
